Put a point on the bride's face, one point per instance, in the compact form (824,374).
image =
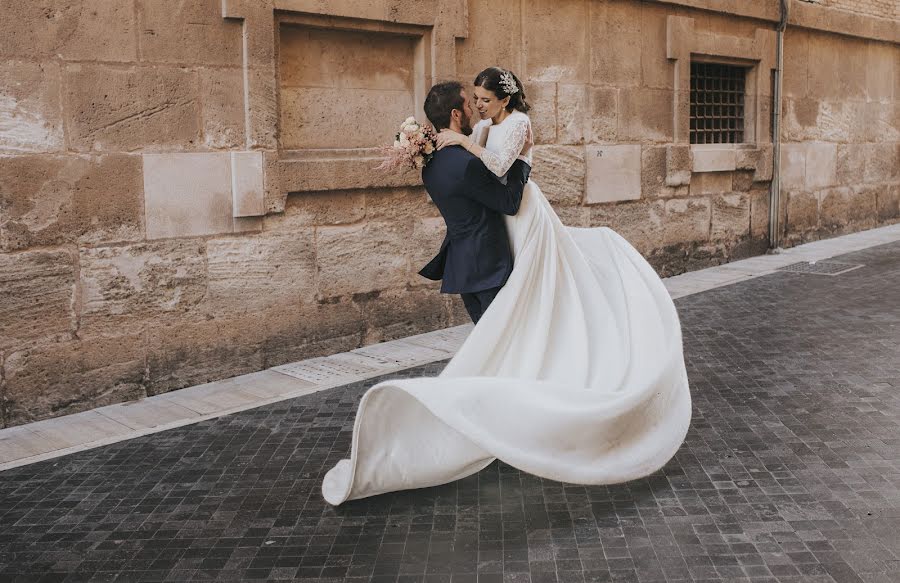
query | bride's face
(486,103)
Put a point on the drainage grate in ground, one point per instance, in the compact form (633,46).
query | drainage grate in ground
(820,267)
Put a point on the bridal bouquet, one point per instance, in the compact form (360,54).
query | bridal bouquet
(413,147)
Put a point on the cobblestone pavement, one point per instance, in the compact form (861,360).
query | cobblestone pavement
(790,472)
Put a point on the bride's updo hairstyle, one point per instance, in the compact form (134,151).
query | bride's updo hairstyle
(496,80)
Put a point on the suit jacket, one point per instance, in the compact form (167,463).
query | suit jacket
(475,255)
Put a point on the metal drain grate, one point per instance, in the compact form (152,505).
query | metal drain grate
(820,267)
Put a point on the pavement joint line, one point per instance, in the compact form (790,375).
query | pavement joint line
(24,437)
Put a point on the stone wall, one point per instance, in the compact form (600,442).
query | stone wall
(880,8)
(186,190)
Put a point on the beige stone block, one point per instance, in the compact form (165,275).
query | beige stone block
(850,164)
(313,330)
(30,108)
(802,211)
(302,174)
(71,376)
(882,162)
(880,122)
(821,165)
(604,114)
(560,173)
(839,207)
(542,99)
(187,194)
(888,202)
(402,313)
(657,70)
(642,223)
(318,208)
(742,180)
(796,62)
(759,213)
(428,234)
(110,108)
(545,23)
(36,291)
(645,115)
(714,158)
(125,285)
(89,29)
(881,66)
(793,166)
(730,216)
(616,43)
(329,118)
(363,258)
(654,171)
(573,117)
(399,205)
(184,353)
(613,173)
(574,216)
(679,164)
(711,183)
(687,220)
(495,39)
(188,33)
(48,200)
(256,273)
(222,93)
(247,184)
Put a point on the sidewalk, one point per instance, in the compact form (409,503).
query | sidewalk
(64,435)
(790,472)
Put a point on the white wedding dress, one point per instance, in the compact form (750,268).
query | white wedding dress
(574,373)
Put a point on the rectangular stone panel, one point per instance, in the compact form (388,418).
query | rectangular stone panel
(556,40)
(331,79)
(363,258)
(36,290)
(31,118)
(247,184)
(188,33)
(613,173)
(495,39)
(560,172)
(187,194)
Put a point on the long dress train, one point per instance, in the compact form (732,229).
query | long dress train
(574,373)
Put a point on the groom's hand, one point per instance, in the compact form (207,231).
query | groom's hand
(450,138)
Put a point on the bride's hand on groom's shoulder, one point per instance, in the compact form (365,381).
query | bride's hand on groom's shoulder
(450,138)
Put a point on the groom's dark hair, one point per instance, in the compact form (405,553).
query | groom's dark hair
(442,99)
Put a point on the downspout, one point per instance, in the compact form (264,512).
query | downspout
(775,185)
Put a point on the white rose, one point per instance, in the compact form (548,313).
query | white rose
(409,120)
(404,141)
(396,143)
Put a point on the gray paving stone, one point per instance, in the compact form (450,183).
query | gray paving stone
(790,473)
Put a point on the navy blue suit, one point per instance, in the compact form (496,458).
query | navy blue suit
(475,255)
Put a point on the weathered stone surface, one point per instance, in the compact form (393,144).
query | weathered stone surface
(560,172)
(48,200)
(36,291)
(111,108)
(686,220)
(654,171)
(616,43)
(604,116)
(802,211)
(313,330)
(793,166)
(882,162)
(821,165)
(888,202)
(542,99)
(759,213)
(318,208)
(850,163)
(495,39)
(642,223)
(679,164)
(844,205)
(741,180)
(222,94)
(879,122)
(126,285)
(362,258)
(645,115)
(573,118)
(657,70)
(71,376)
(838,70)
(881,64)
(425,242)
(87,29)
(247,184)
(260,272)
(398,314)
(730,216)
(574,216)
(191,352)
(188,194)
(188,33)
(30,110)
(401,206)
(613,173)
(305,174)
(796,62)
(545,24)
(714,158)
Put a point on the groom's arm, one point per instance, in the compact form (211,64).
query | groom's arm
(481,185)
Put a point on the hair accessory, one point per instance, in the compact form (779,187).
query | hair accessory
(508,82)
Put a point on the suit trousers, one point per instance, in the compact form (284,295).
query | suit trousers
(477,302)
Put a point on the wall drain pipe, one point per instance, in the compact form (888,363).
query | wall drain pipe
(775,186)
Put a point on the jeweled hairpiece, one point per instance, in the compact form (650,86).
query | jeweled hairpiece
(508,82)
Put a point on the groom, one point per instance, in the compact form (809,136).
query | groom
(475,259)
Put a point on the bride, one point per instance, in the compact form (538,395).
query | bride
(574,373)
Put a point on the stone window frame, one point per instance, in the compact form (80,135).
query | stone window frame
(684,44)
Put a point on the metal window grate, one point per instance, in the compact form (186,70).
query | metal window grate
(820,267)
(717,103)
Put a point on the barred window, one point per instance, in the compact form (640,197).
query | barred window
(717,103)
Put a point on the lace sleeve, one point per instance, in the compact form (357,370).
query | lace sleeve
(500,162)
